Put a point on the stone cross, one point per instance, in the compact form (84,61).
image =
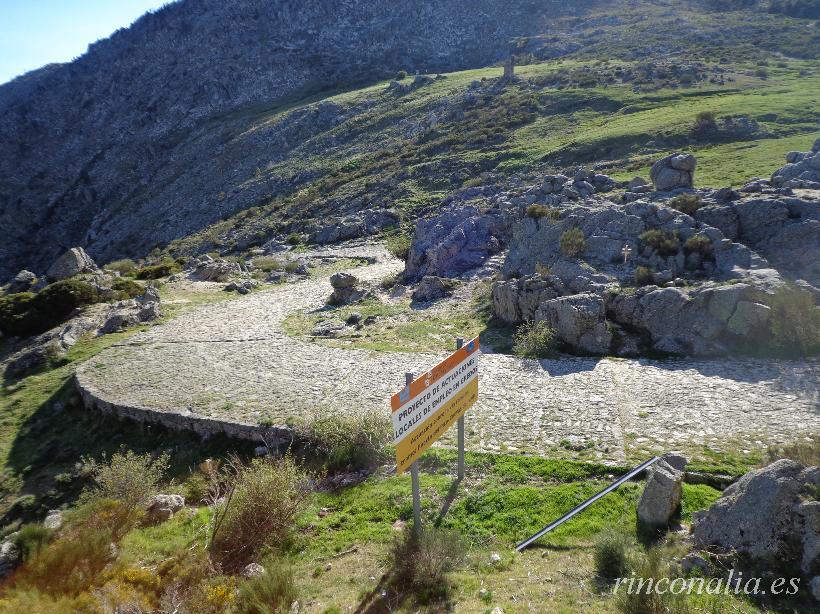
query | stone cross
(627,252)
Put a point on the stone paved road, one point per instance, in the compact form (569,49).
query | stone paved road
(231,363)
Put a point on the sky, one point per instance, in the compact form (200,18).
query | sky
(38,32)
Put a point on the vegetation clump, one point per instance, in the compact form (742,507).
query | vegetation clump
(399,245)
(423,561)
(572,243)
(255,507)
(125,267)
(537,212)
(25,313)
(644,276)
(663,242)
(699,244)
(535,340)
(126,288)
(611,554)
(346,441)
(271,592)
(686,203)
(164,268)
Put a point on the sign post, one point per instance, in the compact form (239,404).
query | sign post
(459,345)
(427,406)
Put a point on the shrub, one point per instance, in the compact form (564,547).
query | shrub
(686,203)
(423,562)
(572,243)
(705,122)
(794,322)
(665,243)
(26,314)
(130,479)
(293,238)
(71,563)
(163,269)
(126,288)
(267,263)
(536,212)
(762,73)
(535,340)
(401,75)
(700,244)
(644,276)
(398,245)
(261,502)
(31,538)
(269,593)
(342,440)
(126,266)
(805,451)
(611,554)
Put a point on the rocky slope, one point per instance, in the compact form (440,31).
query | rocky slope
(92,152)
(657,268)
(173,124)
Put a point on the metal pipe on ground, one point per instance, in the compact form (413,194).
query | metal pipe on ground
(527,542)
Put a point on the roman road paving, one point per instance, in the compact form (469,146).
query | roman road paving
(231,364)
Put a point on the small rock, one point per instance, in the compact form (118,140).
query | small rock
(495,558)
(9,556)
(252,570)
(399,525)
(497,610)
(661,496)
(54,520)
(343,280)
(22,282)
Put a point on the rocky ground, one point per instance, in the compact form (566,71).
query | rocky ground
(223,366)
(657,268)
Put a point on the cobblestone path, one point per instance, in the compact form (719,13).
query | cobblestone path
(231,364)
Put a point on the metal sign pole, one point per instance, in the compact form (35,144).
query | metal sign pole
(414,476)
(459,344)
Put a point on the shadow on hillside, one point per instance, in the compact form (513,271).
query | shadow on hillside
(49,447)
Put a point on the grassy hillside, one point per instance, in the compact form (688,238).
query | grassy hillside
(409,149)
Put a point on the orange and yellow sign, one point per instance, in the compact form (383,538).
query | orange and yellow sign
(432,402)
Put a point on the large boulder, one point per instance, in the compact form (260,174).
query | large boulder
(71,263)
(345,289)
(801,171)
(661,496)
(361,224)
(139,310)
(579,320)
(206,268)
(673,172)
(453,242)
(22,282)
(10,556)
(770,516)
(432,288)
(163,507)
